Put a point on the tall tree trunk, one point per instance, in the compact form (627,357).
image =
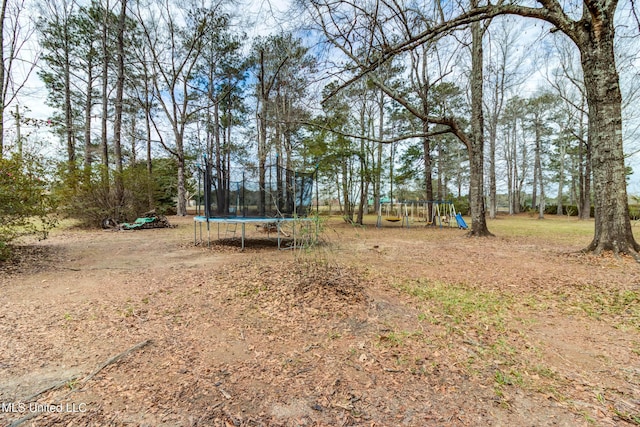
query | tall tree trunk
(428,166)
(442,194)
(493,196)
(147,122)
(498,97)
(362,157)
(523,172)
(542,197)
(278,115)
(117,120)
(87,121)
(377,166)
(612,222)
(221,188)
(537,164)
(508,160)
(68,112)
(537,170)
(584,165)
(289,173)
(262,157)
(561,154)
(476,149)
(515,197)
(426,145)
(182,191)
(347,211)
(3,95)
(226,150)
(132,132)
(105,97)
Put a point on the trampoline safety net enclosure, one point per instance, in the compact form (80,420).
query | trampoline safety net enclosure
(274,195)
(276,192)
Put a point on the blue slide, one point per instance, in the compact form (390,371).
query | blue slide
(461,222)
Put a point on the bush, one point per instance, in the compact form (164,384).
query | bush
(462,205)
(91,201)
(570,210)
(25,201)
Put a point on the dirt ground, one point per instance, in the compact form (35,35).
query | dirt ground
(389,327)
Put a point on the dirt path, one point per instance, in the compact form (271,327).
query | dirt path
(377,327)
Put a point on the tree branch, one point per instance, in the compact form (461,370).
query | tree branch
(550,12)
(378,140)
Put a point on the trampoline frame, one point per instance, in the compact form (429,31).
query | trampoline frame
(243,221)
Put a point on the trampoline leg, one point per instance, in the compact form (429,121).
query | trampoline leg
(243,236)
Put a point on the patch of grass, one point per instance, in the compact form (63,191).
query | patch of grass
(628,417)
(252,289)
(544,372)
(392,339)
(71,384)
(620,305)
(459,304)
(129,311)
(588,418)
(397,339)
(501,348)
(510,378)
(566,229)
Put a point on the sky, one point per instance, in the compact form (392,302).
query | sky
(260,17)
(257,17)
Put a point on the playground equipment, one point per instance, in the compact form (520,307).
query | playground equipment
(437,213)
(393,212)
(237,198)
(461,223)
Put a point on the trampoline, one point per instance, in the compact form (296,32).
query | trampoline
(243,221)
(275,197)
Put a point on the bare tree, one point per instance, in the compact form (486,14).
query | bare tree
(502,75)
(145,99)
(568,83)
(174,38)
(15,67)
(271,55)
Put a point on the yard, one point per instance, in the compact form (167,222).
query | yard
(374,327)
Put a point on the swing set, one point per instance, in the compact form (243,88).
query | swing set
(393,212)
(437,213)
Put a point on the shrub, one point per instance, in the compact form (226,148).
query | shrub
(26,204)
(462,205)
(91,201)
(570,210)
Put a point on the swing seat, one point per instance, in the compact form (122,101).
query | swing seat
(393,219)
